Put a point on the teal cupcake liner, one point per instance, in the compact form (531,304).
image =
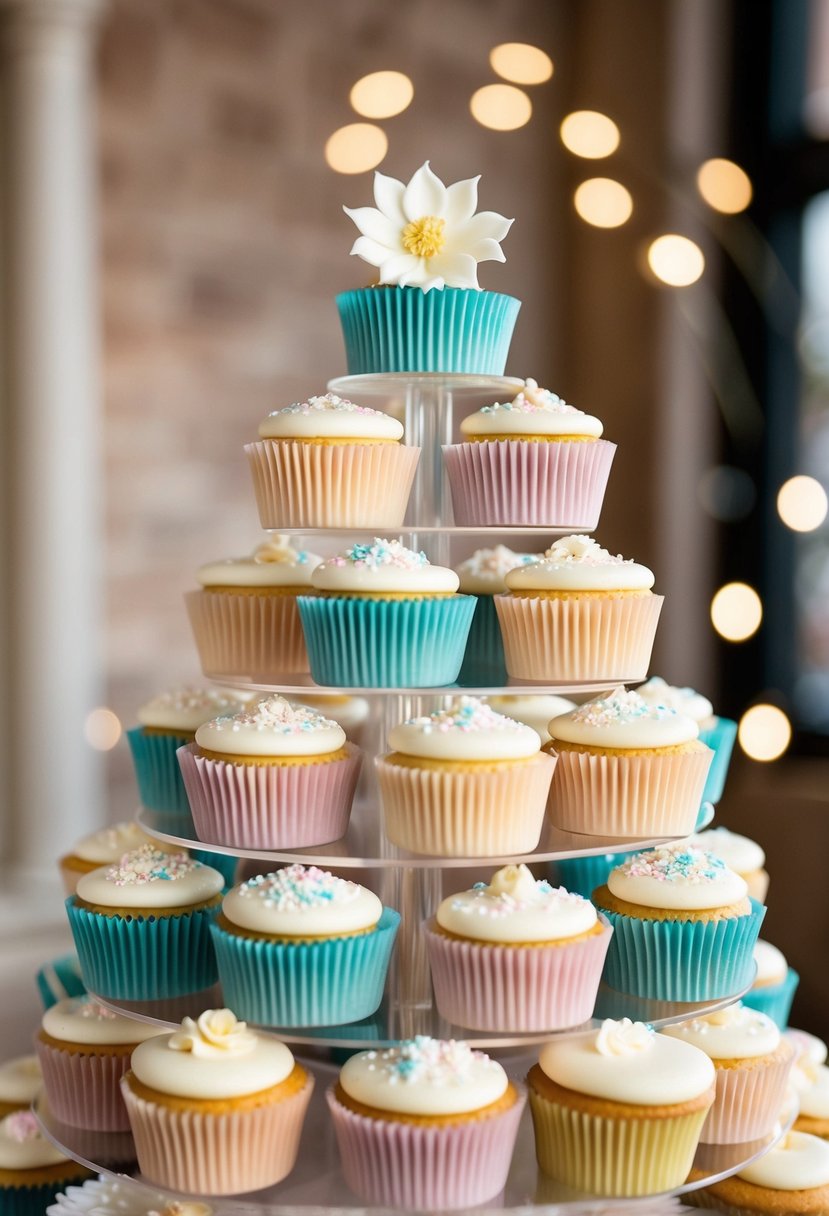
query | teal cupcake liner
(682,960)
(225,863)
(330,982)
(483,660)
(582,875)
(59,979)
(34,1200)
(156,770)
(720,739)
(372,643)
(404,329)
(144,958)
(774,999)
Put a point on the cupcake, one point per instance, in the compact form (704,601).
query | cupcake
(583,874)
(482,575)
(740,854)
(533,710)
(351,713)
(244,620)
(626,768)
(578,614)
(215,1108)
(464,782)
(141,926)
(32,1169)
(516,955)
(534,460)
(810,1078)
(104,847)
(684,926)
(717,733)
(791,1178)
(273,776)
(618,1111)
(84,1051)
(120,1196)
(425,1124)
(328,463)
(383,615)
(300,947)
(752,1062)
(427,314)
(20,1082)
(774,984)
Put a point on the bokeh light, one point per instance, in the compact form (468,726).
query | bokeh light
(676,260)
(726,493)
(764,732)
(724,186)
(102,729)
(736,612)
(802,503)
(603,202)
(356,148)
(382,94)
(589,134)
(521,63)
(501,107)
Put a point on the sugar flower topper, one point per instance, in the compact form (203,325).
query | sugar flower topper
(623,1038)
(216,1034)
(425,234)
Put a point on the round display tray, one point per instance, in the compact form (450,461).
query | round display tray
(394,384)
(294,684)
(409,529)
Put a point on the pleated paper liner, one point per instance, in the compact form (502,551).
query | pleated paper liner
(775,1000)
(247,635)
(583,874)
(509,482)
(212,1154)
(617,795)
(465,814)
(374,643)
(482,986)
(329,982)
(720,738)
(483,660)
(156,770)
(83,1088)
(595,638)
(261,806)
(32,1199)
(316,485)
(404,329)
(414,1167)
(749,1098)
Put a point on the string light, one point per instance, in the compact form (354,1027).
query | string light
(102,729)
(736,612)
(521,63)
(501,107)
(724,186)
(356,148)
(589,134)
(382,94)
(676,260)
(764,732)
(603,202)
(802,503)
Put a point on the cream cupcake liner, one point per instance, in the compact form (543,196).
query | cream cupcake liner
(498,811)
(757,882)
(613,795)
(83,1087)
(602,637)
(247,635)
(212,1154)
(748,1102)
(317,485)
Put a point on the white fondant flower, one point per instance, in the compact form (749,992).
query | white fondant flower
(425,234)
(623,1038)
(216,1033)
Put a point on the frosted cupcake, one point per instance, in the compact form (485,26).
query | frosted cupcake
(516,955)
(141,926)
(215,1108)
(740,854)
(383,615)
(105,847)
(684,926)
(427,313)
(626,768)
(32,1170)
(578,614)
(426,1124)
(774,984)
(328,463)
(792,1177)
(619,1111)
(584,874)
(20,1081)
(534,460)
(245,620)
(273,776)
(811,1080)
(717,733)
(533,710)
(752,1062)
(482,575)
(464,782)
(300,947)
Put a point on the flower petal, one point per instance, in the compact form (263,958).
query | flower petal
(461,200)
(481,226)
(371,251)
(486,250)
(388,195)
(374,224)
(398,267)
(456,269)
(424,195)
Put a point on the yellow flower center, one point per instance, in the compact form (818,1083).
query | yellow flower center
(424,237)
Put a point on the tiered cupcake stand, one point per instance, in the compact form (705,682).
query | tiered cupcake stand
(430,405)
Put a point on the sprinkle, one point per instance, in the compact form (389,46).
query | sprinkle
(326,403)
(436,1062)
(468,715)
(583,551)
(276,715)
(21,1126)
(495,563)
(380,555)
(513,889)
(620,706)
(148,864)
(675,864)
(192,698)
(300,888)
(532,400)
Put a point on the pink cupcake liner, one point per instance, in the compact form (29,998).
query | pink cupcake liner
(514,988)
(596,638)
(508,481)
(84,1088)
(259,806)
(655,795)
(416,1167)
(209,1154)
(465,814)
(748,1102)
(310,485)
(254,636)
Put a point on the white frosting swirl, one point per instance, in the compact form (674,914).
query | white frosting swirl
(217,1034)
(734,1033)
(533,710)
(814,1098)
(23,1146)
(772,967)
(301,901)
(798,1162)
(272,727)
(383,566)
(186,708)
(534,411)
(514,907)
(676,878)
(329,417)
(739,853)
(274,563)
(121,1197)
(424,1076)
(623,1037)
(468,729)
(110,843)
(808,1046)
(621,719)
(687,701)
(578,563)
(149,878)
(20,1080)
(484,572)
(82,1020)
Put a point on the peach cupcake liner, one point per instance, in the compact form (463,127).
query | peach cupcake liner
(613,795)
(415,1167)
(465,814)
(481,986)
(317,485)
(269,806)
(247,635)
(748,1101)
(509,481)
(84,1088)
(602,637)
(217,1154)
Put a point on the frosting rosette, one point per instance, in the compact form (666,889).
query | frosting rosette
(215,1035)
(330,416)
(533,413)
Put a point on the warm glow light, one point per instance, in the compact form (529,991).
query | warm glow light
(501,107)
(521,63)
(102,729)
(603,202)
(765,732)
(802,504)
(724,186)
(736,612)
(589,134)
(356,148)
(676,260)
(382,94)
